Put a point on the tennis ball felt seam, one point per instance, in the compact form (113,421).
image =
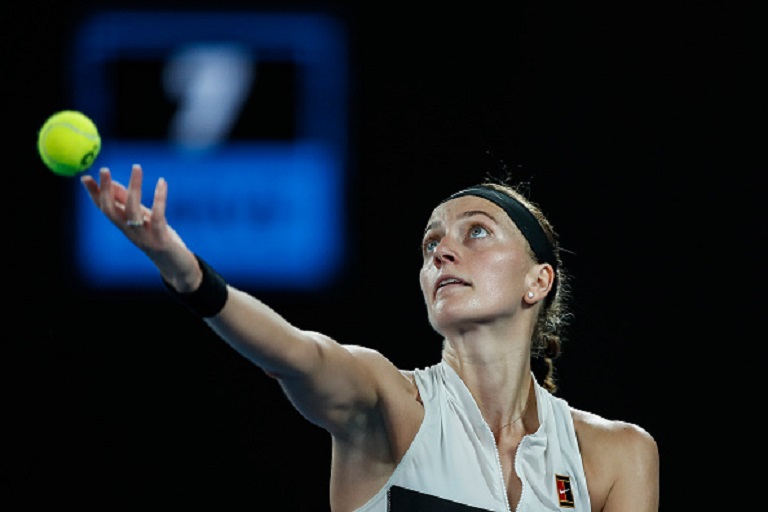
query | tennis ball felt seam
(75,129)
(72,127)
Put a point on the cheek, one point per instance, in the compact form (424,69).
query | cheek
(501,273)
(423,280)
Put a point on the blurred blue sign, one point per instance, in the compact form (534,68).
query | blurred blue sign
(245,115)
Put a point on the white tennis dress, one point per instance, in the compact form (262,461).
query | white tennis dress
(453,464)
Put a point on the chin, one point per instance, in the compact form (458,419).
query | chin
(446,320)
(449,311)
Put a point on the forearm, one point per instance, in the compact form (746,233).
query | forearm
(323,379)
(264,337)
(244,322)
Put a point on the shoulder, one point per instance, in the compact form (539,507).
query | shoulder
(621,460)
(371,359)
(622,435)
(382,369)
(395,414)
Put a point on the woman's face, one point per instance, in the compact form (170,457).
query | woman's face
(475,262)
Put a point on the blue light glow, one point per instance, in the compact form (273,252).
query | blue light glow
(265,213)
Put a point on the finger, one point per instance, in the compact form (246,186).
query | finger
(112,197)
(119,194)
(133,209)
(105,197)
(158,204)
(91,187)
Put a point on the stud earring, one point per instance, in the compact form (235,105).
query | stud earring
(530,295)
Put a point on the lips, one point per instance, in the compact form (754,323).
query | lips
(449,281)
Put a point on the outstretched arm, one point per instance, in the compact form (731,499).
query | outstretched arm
(327,382)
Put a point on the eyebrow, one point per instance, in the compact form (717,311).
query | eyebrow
(463,215)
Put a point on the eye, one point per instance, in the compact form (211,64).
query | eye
(478,232)
(429,245)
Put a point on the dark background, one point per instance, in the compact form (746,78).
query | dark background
(639,128)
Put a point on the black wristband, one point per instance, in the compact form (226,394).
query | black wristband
(209,298)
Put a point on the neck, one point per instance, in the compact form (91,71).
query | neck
(501,385)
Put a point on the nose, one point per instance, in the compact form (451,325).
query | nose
(444,252)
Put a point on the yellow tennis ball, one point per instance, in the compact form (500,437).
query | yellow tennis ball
(68,142)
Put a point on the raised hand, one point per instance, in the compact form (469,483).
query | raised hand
(145,227)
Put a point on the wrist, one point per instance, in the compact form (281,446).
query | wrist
(204,292)
(186,282)
(180,270)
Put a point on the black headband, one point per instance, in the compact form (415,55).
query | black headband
(525,221)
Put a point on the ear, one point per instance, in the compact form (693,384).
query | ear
(540,279)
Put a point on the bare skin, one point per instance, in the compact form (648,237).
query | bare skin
(372,409)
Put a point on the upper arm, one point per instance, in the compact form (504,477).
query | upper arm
(335,386)
(341,391)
